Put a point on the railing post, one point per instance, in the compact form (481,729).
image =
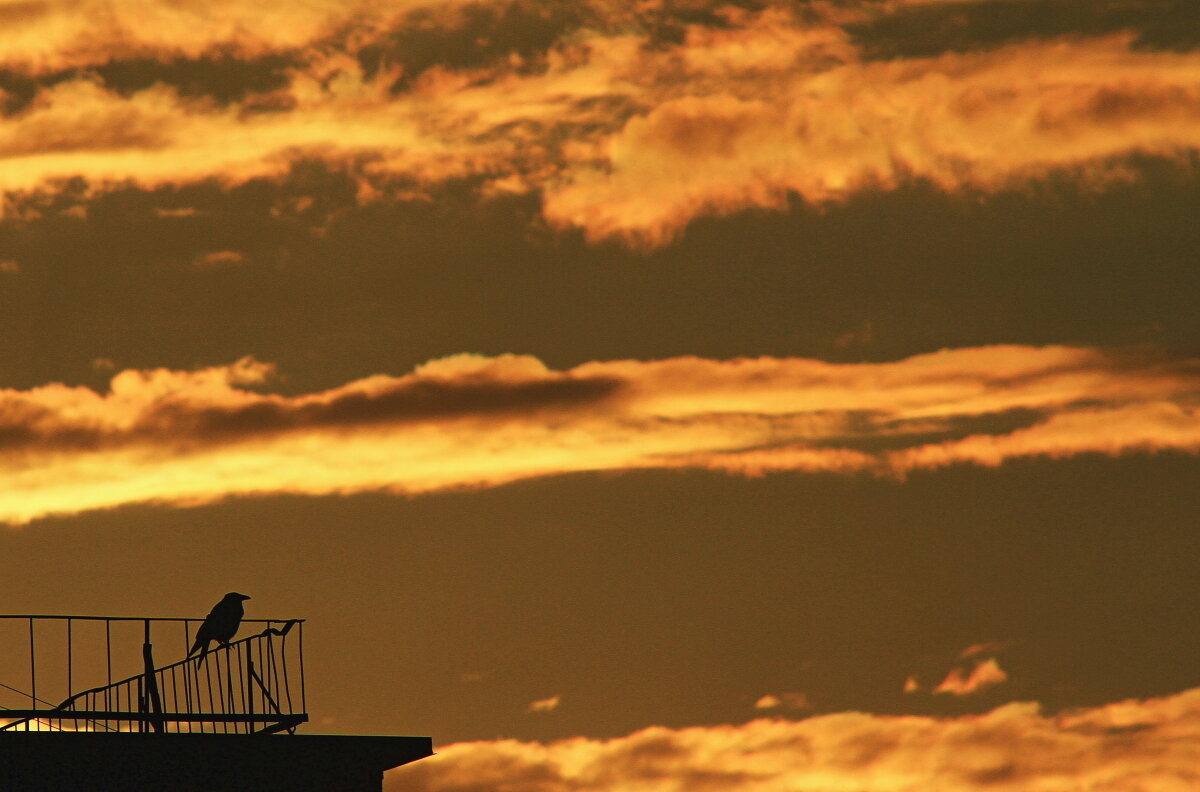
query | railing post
(303,692)
(32,668)
(153,703)
(70,663)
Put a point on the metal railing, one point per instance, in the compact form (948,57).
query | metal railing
(252,685)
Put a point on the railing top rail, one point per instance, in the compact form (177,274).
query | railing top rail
(132,618)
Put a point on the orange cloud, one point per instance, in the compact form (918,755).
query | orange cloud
(545,705)
(219,258)
(44,35)
(1125,747)
(795,701)
(987,647)
(472,421)
(986,120)
(985,674)
(620,139)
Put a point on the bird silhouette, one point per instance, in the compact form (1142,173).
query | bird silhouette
(221,624)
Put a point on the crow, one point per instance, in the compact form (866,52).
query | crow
(221,624)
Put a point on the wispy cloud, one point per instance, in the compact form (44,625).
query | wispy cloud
(219,258)
(792,701)
(623,134)
(985,648)
(1124,747)
(965,679)
(985,674)
(48,35)
(471,421)
(545,705)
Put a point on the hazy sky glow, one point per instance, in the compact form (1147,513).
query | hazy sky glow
(647,395)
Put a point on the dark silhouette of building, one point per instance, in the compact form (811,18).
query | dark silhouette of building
(224,719)
(125,762)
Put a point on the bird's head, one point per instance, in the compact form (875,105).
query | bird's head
(233,595)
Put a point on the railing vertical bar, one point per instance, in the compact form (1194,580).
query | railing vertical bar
(32,668)
(187,685)
(174,694)
(247,691)
(263,645)
(268,655)
(248,681)
(287,685)
(70,665)
(214,669)
(220,691)
(230,656)
(159,680)
(200,693)
(235,692)
(219,701)
(269,659)
(303,690)
(108,649)
(208,684)
(226,683)
(187,695)
(258,669)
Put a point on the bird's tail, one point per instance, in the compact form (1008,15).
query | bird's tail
(200,645)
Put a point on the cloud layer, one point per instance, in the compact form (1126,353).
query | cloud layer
(472,421)
(1129,746)
(627,119)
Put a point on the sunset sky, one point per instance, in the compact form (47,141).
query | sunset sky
(656,395)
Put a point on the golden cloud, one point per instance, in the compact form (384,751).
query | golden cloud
(986,121)
(794,700)
(1129,746)
(471,421)
(985,674)
(46,35)
(620,138)
(545,705)
(985,648)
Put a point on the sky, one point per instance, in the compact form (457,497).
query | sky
(631,394)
